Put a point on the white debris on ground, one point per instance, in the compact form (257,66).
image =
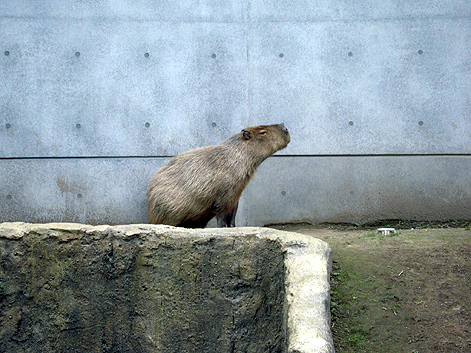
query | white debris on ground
(386,231)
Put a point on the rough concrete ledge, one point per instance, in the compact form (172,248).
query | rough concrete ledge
(145,288)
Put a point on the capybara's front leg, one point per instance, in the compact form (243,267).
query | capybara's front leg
(227,219)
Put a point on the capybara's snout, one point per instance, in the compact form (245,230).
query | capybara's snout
(281,127)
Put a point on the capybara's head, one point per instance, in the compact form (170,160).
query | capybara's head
(273,137)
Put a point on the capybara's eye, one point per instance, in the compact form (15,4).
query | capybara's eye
(263,132)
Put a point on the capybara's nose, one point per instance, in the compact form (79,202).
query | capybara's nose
(283,128)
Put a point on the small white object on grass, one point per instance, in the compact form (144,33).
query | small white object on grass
(386,231)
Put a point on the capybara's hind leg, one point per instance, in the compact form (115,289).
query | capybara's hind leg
(198,222)
(194,224)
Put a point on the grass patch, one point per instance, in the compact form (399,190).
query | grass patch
(349,332)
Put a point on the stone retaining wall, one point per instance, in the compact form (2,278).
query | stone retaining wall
(140,288)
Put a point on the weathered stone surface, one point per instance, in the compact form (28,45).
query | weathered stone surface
(142,288)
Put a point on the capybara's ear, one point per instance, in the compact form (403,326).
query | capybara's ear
(247,134)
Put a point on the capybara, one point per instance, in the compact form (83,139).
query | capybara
(197,185)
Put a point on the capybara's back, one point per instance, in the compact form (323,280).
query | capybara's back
(197,185)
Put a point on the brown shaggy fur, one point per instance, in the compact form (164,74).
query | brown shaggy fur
(197,185)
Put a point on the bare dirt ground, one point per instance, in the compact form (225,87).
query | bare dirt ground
(405,292)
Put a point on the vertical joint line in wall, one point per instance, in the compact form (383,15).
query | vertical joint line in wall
(244,222)
(247,53)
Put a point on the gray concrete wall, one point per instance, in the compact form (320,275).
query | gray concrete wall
(96,96)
